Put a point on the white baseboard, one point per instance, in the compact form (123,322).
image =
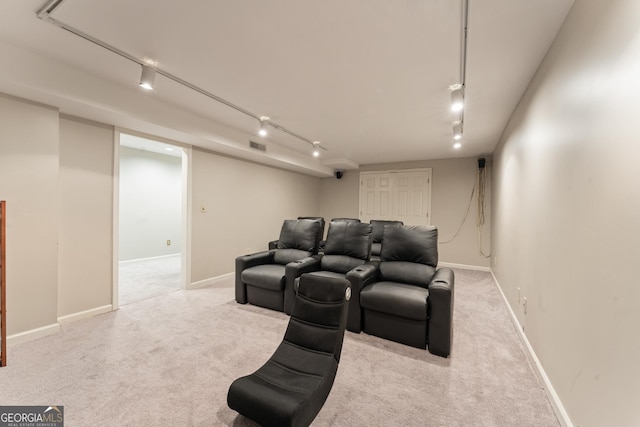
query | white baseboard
(33,334)
(556,403)
(54,328)
(84,314)
(219,281)
(464,266)
(149,258)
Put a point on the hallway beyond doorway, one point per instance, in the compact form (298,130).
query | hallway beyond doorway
(148,278)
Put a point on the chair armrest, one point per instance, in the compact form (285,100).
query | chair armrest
(293,270)
(359,277)
(247,261)
(440,309)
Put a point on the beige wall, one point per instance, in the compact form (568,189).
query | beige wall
(339,197)
(245,205)
(452,183)
(29,184)
(86,212)
(57,178)
(566,209)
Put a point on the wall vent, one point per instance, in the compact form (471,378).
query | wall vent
(257,146)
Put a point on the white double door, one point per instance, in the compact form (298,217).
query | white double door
(403,195)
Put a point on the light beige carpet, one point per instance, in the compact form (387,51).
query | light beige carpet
(170,360)
(148,278)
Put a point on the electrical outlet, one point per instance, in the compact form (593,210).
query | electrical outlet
(524,304)
(168,242)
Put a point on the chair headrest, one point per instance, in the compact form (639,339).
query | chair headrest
(317,218)
(378,228)
(417,244)
(300,234)
(349,238)
(345,220)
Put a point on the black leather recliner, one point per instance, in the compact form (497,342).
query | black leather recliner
(266,278)
(292,386)
(348,247)
(274,243)
(407,300)
(378,228)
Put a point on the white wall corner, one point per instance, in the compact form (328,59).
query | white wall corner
(223,281)
(554,399)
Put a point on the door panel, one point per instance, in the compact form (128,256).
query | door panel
(396,195)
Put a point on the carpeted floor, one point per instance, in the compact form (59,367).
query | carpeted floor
(169,361)
(148,278)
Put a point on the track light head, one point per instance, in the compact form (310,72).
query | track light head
(457,99)
(263,126)
(147,77)
(457,131)
(316,149)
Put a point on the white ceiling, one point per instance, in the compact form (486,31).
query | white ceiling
(368,79)
(154,146)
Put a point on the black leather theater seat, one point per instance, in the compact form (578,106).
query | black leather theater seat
(267,278)
(405,298)
(347,248)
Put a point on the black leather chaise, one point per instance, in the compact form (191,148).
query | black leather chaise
(407,300)
(292,386)
(267,278)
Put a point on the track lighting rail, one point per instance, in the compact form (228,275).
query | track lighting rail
(50,6)
(458,90)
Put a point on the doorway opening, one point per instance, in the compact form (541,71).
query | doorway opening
(151,212)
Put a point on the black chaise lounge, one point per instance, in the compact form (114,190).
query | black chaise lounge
(291,387)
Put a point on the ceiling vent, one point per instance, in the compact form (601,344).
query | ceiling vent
(257,146)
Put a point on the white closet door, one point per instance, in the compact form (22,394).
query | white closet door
(396,195)
(375,196)
(412,197)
